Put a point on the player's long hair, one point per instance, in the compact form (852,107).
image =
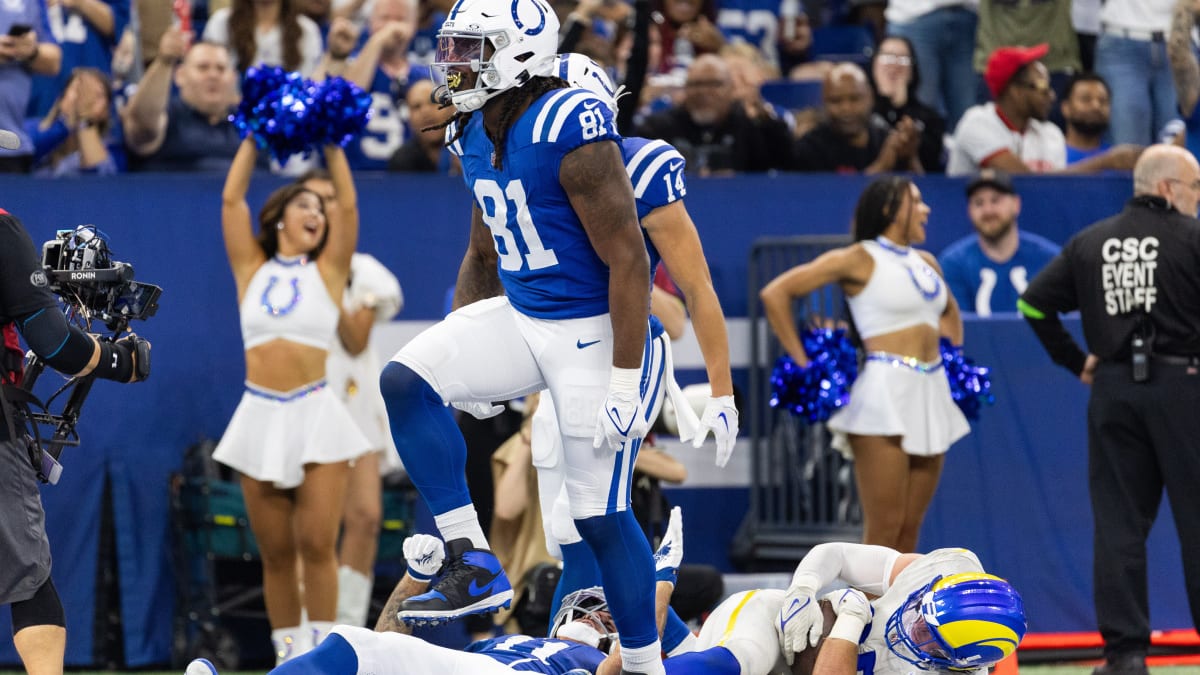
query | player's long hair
(513,101)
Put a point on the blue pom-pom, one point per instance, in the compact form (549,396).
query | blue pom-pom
(970,384)
(343,110)
(288,114)
(815,391)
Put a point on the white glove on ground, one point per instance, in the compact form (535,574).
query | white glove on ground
(721,417)
(670,551)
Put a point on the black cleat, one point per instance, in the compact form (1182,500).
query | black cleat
(472,583)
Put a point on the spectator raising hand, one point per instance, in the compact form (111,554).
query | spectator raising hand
(339,43)
(72,137)
(703,34)
(382,68)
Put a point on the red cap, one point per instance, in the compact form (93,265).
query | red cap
(1006,61)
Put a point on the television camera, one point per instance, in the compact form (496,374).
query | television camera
(93,289)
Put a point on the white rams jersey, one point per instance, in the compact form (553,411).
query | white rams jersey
(874,657)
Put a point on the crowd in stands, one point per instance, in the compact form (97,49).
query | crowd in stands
(849,86)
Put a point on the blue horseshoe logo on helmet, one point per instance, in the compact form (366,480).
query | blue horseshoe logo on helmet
(541,18)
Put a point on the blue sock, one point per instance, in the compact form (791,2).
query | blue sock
(579,570)
(429,442)
(674,631)
(334,656)
(627,567)
(712,661)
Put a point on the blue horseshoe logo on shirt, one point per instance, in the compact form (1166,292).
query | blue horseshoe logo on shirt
(541,18)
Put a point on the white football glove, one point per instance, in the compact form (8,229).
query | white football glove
(851,602)
(799,623)
(854,613)
(721,417)
(480,411)
(424,553)
(670,551)
(621,419)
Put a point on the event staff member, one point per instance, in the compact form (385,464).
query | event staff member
(1135,279)
(39,626)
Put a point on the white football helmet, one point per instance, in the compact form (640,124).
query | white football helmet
(581,71)
(583,616)
(505,42)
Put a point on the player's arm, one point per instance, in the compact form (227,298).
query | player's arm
(849,263)
(405,589)
(670,310)
(598,188)
(424,554)
(674,234)
(478,277)
(354,329)
(836,657)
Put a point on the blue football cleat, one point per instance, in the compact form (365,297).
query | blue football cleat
(472,583)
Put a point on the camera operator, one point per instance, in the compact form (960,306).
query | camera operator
(1135,279)
(39,628)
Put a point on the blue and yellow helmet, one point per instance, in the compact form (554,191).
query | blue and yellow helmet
(959,622)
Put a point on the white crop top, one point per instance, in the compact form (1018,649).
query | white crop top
(287,299)
(903,291)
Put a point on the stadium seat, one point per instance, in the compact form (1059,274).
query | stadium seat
(843,42)
(792,95)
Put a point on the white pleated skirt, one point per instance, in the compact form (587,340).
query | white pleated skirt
(893,399)
(273,435)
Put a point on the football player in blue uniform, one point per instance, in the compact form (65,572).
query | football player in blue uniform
(656,171)
(553,293)
(582,636)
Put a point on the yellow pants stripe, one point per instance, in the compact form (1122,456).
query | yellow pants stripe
(733,617)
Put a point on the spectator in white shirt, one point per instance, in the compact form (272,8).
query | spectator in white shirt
(1012,133)
(269,32)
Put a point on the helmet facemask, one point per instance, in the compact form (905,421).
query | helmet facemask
(584,617)
(909,636)
(963,622)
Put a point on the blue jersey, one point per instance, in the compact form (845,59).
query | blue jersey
(388,127)
(984,286)
(1075,155)
(655,169)
(539,655)
(548,267)
(82,46)
(752,21)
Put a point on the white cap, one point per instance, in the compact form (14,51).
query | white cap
(9,140)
